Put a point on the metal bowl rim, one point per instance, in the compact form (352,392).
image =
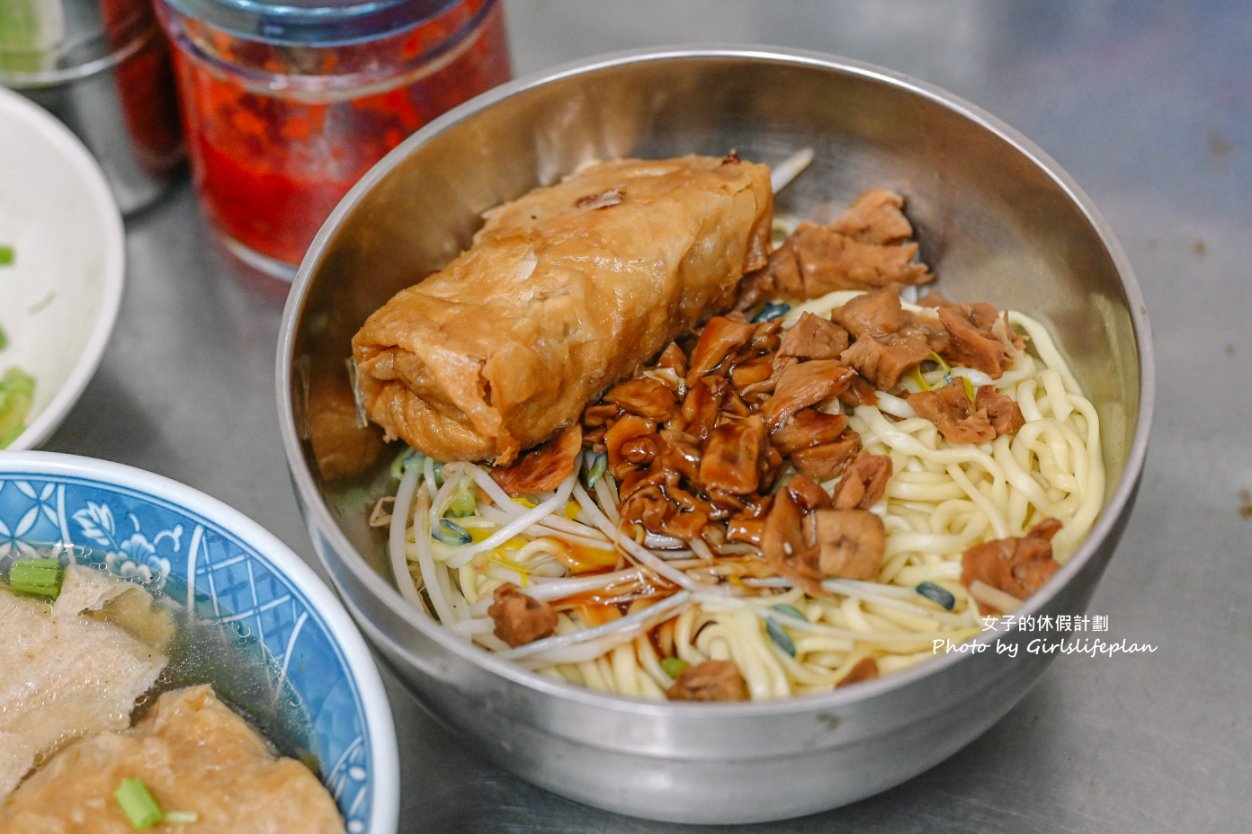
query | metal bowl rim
(319,516)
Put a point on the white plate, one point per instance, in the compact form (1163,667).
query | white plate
(59,299)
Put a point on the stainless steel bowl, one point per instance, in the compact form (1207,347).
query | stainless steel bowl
(998,221)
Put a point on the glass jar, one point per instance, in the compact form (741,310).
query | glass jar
(286,104)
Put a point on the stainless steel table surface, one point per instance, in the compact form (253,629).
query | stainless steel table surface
(1149,107)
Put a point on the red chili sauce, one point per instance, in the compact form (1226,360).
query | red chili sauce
(145,84)
(271,165)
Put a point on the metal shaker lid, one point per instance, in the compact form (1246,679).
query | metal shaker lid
(311,22)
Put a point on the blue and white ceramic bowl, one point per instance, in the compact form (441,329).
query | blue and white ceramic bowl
(172,538)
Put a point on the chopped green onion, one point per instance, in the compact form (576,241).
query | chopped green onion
(919,379)
(17,393)
(409,457)
(181,817)
(937,594)
(7,255)
(596,467)
(769,312)
(789,611)
(6,439)
(141,810)
(352,501)
(438,467)
(938,360)
(4,339)
(780,636)
(969,388)
(463,502)
(449,532)
(674,666)
(37,577)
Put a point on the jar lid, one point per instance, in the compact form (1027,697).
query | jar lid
(311,22)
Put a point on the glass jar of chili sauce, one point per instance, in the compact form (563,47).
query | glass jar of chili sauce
(287,103)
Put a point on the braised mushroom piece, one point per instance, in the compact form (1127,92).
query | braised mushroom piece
(520,618)
(1018,565)
(962,419)
(850,543)
(888,341)
(980,337)
(813,337)
(821,543)
(865,249)
(712,680)
(865,483)
(865,669)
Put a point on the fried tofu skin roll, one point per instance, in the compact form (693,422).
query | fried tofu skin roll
(564,291)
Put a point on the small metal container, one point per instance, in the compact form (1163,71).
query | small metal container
(103,68)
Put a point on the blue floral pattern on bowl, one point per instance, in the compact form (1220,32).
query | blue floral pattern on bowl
(156,542)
